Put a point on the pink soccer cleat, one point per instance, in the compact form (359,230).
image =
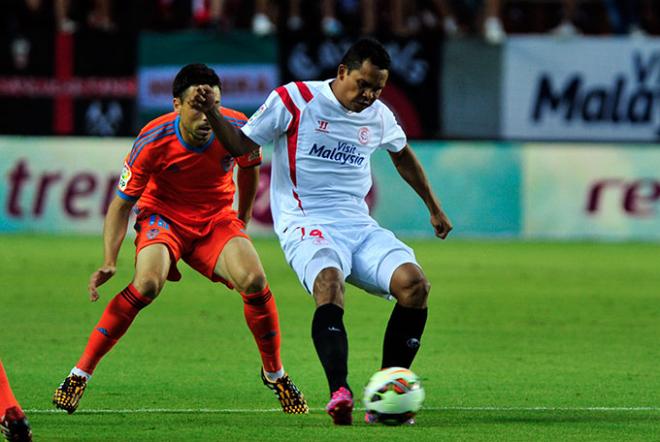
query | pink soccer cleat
(340,407)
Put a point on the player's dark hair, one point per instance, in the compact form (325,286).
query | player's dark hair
(190,74)
(366,49)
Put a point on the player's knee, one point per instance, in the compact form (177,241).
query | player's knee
(414,291)
(149,284)
(253,282)
(329,287)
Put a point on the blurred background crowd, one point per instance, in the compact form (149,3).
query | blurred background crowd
(493,19)
(52,52)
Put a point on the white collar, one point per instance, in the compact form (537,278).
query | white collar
(327,91)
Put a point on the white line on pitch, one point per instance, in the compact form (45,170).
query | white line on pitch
(543,408)
(274,410)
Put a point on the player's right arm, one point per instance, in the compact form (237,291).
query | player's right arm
(139,164)
(114,231)
(270,121)
(233,139)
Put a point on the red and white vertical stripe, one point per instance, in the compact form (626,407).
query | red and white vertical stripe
(293,128)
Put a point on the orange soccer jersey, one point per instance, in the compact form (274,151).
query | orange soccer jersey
(190,186)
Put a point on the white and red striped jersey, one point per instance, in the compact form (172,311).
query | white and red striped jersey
(321,169)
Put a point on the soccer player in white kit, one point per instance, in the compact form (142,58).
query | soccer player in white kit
(324,133)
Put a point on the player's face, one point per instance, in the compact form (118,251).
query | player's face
(195,128)
(359,88)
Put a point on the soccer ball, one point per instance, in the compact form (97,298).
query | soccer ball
(394,395)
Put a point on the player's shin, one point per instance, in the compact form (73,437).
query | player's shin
(403,336)
(7,399)
(262,320)
(116,319)
(331,343)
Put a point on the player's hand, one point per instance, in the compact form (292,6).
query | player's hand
(441,224)
(99,278)
(202,98)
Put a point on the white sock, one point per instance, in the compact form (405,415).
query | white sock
(78,372)
(273,376)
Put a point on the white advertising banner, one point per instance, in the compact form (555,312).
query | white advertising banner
(604,192)
(243,86)
(64,186)
(61,185)
(591,88)
(559,191)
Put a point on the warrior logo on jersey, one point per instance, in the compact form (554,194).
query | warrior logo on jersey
(125,177)
(363,135)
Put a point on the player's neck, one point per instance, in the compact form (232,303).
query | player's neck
(333,87)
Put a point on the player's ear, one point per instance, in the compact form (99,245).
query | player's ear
(342,71)
(176,104)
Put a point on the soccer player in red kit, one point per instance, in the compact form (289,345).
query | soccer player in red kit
(178,178)
(13,423)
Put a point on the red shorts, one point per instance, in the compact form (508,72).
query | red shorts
(200,252)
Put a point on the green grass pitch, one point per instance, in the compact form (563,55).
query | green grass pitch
(525,341)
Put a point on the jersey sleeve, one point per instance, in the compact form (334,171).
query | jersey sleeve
(269,121)
(238,119)
(394,139)
(251,159)
(138,167)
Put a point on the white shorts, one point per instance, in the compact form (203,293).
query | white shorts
(366,254)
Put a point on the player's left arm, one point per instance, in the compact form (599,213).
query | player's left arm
(412,172)
(247,182)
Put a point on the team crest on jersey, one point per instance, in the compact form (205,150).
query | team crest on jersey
(259,111)
(152,233)
(125,177)
(363,135)
(227,163)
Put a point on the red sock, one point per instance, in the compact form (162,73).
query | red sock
(114,322)
(7,399)
(261,316)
